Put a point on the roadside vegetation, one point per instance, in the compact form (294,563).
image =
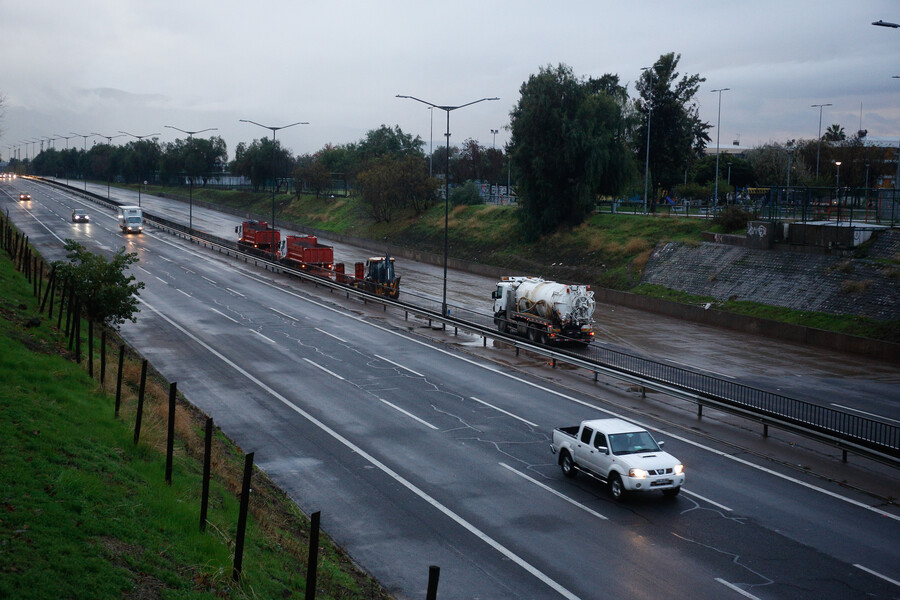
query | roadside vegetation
(87,514)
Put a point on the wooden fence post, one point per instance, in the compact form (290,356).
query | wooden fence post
(242,519)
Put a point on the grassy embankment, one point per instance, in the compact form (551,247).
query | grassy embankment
(608,250)
(87,514)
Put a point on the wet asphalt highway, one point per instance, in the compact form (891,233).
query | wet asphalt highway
(419,454)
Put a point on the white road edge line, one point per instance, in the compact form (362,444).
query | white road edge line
(876,574)
(223,314)
(318,366)
(505,412)
(399,365)
(341,340)
(865,413)
(376,463)
(696,495)
(408,414)
(736,589)
(554,492)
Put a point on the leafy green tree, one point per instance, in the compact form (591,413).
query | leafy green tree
(311,174)
(568,145)
(256,162)
(390,184)
(140,160)
(677,135)
(387,141)
(468,194)
(107,295)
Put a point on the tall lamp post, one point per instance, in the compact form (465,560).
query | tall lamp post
(274,178)
(494,132)
(67,138)
(140,138)
(190,135)
(446,109)
(84,155)
(109,139)
(718,135)
(819,142)
(647,154)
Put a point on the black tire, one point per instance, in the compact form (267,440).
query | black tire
(533,334)
(567,465)
(616,488)
(502,324)
(672,492)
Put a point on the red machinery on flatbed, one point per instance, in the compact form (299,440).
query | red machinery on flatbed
(306,252)
(258,234)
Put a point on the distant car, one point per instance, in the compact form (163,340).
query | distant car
(80,216)
(23,196)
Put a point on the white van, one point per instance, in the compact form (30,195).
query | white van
(131,219)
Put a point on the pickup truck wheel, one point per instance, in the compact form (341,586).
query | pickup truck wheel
(567,465)
(672,492)
(616,489)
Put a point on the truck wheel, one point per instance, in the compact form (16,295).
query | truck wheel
(502,324)
(567,465)
(616,489)
(672,492)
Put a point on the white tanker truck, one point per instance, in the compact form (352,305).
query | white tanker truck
(545,311)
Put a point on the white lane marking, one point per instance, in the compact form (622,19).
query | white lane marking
(559,394)
(283,314)
(876,574)
(399,365)
(554,492)
(188,270)
(44,225)
(208,279)
(343,341)
(183,292)
(270,340)
(865,413)
(408,414)
(736,589)
(318,366)
(234,292)
(163,280)
(377,463)
(226,316)
(505,412)
(165,259)
(696,495)
(144,270)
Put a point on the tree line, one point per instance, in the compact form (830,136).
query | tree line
(573,140)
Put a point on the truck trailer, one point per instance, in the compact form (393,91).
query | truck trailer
(305,252)
(257,234)
(544,311)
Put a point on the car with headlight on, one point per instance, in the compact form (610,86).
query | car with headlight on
(79,215)
(623,455)
(24,196)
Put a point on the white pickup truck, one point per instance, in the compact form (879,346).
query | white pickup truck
(619,453)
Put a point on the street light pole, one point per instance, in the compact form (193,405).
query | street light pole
(819,141)
(109,139)
(274,177)
(84,155)
(447,109)
(647,154)
(140,179)
(718,136)
(190,135)
(64,137)
(494,147)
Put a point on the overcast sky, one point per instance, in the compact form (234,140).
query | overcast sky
(126,65)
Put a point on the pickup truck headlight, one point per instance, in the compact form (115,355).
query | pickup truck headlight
(637,473)
(679,469)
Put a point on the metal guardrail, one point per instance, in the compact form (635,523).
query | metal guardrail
(849,432)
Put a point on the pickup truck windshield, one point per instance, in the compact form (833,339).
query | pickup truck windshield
(632,443)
